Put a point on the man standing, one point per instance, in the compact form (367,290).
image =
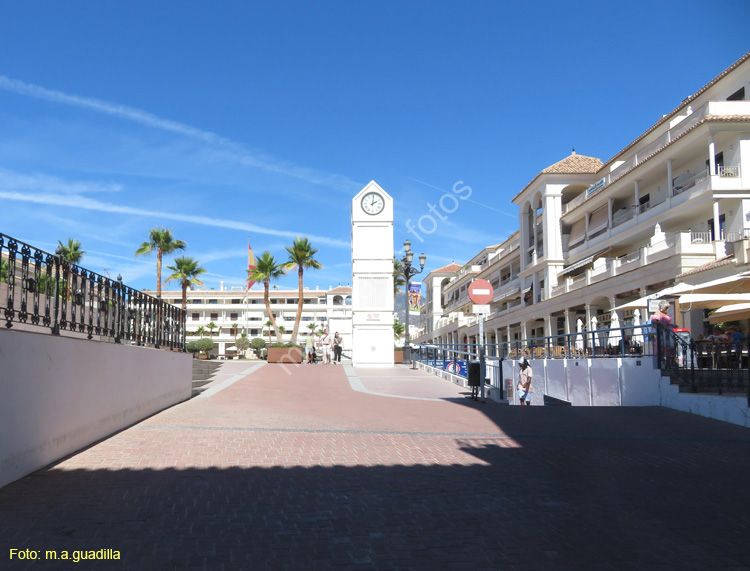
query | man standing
(309,349)
(524,382)
(337,348)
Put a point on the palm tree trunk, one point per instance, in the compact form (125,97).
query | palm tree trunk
(300,301)
(184,295)
(158,273)
(270,314)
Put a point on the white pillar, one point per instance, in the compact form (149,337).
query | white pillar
(711,155)
(637,195)
(717,221)
(669,178)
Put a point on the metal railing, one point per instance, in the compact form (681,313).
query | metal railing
(697,366)
(41,290)
(719,366)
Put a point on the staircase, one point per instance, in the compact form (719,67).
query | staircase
(203,373)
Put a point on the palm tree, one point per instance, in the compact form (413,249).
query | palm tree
(267,269)
(311,327)
(301,255)
(71,253)
(161,240)
(200,331)
(186,270)
(282,330)
(211,326)
(398,329)
(398,276)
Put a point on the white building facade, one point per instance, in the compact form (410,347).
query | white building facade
(673,206)
(236,311)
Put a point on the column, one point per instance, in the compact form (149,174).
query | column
(717,222)
(670,190)
(610,208)
(637,196)
(711,155)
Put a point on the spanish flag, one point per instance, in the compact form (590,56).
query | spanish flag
(250,264)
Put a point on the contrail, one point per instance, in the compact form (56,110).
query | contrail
(91,204)
(236,151)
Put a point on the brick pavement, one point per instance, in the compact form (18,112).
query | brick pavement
(300,471)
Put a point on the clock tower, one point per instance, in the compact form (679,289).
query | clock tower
(372,277)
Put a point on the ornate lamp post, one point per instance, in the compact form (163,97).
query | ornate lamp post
(409,273)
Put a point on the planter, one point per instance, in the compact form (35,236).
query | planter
(398,357)
(285,354)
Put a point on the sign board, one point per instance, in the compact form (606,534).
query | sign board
(481,309)
(481,292)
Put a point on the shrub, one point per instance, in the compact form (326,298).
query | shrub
(258,344)
(200,346)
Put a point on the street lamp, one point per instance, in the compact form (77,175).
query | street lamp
(409,273)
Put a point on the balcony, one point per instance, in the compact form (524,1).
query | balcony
(679,126)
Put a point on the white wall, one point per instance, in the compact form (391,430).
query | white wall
(61,394)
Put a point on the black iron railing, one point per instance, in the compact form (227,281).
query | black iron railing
(39,289)
(719,366)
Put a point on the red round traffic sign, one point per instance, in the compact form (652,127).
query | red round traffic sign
(481,292)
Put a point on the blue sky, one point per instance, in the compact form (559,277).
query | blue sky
(225,120)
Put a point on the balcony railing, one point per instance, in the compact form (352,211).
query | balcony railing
(41,290)
(729,171)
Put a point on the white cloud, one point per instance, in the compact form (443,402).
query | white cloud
(232,151)
(82,202)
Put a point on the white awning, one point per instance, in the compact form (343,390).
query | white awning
(598,220)
(507,294)
(577,232)
(731,313)
(690,301)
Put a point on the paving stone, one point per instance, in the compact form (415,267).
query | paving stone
(299,471)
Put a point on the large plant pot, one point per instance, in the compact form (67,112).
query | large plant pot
(398,356)
(285,354)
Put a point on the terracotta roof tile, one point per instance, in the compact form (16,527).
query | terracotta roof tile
(709,266)
(575,164)
(341,289)
(449,269)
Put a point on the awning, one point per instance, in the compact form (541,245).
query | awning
(507,294)
(598,220)
(577,265)
(731,313)
(690,301)
(577,232)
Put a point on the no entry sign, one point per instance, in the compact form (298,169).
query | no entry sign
(481,292)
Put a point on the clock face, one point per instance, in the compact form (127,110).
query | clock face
(372,203)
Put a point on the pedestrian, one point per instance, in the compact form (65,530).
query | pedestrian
(524,382)
(325,344)
(337,348)
(309,349)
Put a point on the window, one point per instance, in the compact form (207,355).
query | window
(233,316)
(213,301)
(195,316)
(214,316)
(196,301)
(738,95)
(236,301)
(253,332)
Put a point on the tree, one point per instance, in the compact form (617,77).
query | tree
(398,329)
(233,330)
(161,241)
(267,269)
(311,327)
(211,326)
(71,253)
(200,331)
(398,276)
(186,271)
(258,344)
(301,254)
(200,346)
(242,344)
(3,270)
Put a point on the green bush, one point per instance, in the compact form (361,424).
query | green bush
(258,344)
(200,346)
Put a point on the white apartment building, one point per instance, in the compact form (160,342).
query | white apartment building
(672,206)
(235,311)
